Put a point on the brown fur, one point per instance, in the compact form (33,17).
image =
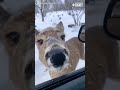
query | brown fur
(76,50)
(73,46)
(23,52)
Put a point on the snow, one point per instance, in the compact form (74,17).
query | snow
(62,1)
(51,19)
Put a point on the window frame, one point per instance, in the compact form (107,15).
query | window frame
(52,84)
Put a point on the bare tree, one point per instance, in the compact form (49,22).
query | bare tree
(40,6)
(44,6)
(56,5)
(75,10)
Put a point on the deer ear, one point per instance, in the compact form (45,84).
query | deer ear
(36,32)
(60,26)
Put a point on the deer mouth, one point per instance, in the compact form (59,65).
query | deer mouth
(30,74)
(29,69)
(53,67)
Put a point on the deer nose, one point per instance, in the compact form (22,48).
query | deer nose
(55,51)
(56,56)
(57,59)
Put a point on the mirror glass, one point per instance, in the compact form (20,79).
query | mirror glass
(81,35)
(113,23)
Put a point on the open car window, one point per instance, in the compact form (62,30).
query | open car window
(51,14)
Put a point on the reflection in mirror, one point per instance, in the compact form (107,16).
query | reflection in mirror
(112,20)
(81,34)
(114,26)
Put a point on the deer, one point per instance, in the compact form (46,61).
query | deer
(60,57)
(17,35)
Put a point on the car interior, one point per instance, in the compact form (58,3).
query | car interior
(103,41)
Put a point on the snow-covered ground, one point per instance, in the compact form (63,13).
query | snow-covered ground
(52,19)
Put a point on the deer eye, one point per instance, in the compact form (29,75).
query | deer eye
(13,37)
(40,41)
(62,37)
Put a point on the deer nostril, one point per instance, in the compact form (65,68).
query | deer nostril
(30,70)
(65,51)
(47,55)
(58,59)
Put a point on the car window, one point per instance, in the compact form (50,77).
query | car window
(57,15)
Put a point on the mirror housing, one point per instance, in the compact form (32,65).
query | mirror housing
(111,22)
(81,34)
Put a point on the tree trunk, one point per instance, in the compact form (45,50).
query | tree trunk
(42,14)
(42,9)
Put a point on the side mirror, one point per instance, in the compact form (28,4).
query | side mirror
(81,34)
(111,22)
